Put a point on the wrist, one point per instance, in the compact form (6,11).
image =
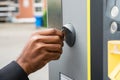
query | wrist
(23,65)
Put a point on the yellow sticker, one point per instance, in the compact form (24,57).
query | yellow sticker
(114,59)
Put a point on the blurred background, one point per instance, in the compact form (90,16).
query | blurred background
(18,19)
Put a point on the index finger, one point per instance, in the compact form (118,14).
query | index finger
(50,31)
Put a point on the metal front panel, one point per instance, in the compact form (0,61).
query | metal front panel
(73,62)
(55,13)
(109,36)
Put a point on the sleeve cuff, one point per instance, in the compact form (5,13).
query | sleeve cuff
(13,72)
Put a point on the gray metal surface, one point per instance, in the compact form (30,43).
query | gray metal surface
(73,61)
(55,14)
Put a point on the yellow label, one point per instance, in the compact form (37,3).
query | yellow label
(114,59)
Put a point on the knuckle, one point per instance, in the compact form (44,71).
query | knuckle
(42,46)
(57,38)
(59,46)
(57,57)
(53,30)
(34,38)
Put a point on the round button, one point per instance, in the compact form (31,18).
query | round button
(114,27)
(114,11)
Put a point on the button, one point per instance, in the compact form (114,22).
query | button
(114,12)
(114,27)
(70,34)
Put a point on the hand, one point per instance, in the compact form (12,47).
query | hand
(42,47)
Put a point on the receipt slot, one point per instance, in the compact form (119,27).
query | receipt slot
(91,48)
